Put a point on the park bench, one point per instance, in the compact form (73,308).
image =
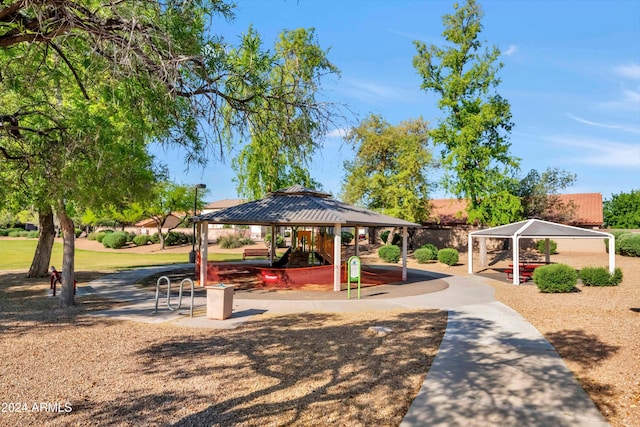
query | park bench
(255,253)
(56,277)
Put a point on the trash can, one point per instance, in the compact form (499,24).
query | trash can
(219,301)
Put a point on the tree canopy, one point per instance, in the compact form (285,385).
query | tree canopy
(85,86)
(623,210)
(284,139)
(473,135)
(389,173)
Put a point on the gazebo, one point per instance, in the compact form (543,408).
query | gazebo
(535,229)
(300,206)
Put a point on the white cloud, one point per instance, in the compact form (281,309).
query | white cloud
(372,92)
(629,101)
(510,51)
(626,128)
(600,152)
(630,71)
(338,133)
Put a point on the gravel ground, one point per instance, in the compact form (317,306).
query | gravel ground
(306,369)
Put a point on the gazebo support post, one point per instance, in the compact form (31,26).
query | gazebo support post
(272,245)
(470,254)
(357,241)
(405,236)
(516,259)
(337,253)
(204,252)
(612,253)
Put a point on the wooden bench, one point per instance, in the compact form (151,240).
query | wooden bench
(255,252)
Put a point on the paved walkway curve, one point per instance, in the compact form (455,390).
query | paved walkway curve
(493,368)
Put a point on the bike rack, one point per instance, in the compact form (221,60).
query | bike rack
(169,306)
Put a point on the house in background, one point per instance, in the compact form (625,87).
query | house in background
(256,232)
(447,225)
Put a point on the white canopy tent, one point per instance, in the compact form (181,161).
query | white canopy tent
(535,229)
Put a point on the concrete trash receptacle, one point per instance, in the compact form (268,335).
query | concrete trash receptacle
(219,301)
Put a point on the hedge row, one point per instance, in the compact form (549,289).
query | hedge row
(627,243)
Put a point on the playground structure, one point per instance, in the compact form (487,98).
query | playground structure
(317,220)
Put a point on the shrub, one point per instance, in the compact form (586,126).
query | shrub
(346,237)
(23,234)
(280,242)
(92,235)
(100,236)
(115,240)
(389,253)
(174,238)
(247,241)
(78,232)
(33,234)
(141,240)
(424,255)
(629,245)
(600,276)
(14,233)
(4,232)
(432,249)
(155,238)
(397,239)
(555,278)
(230,241)
(384,236)
(448,256)
(540,246)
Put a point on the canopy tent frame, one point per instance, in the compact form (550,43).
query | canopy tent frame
(535,229)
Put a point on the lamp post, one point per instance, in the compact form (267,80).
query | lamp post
(192,254)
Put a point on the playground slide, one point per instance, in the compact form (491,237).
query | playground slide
(283,260)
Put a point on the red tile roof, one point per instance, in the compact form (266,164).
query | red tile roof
(588,210)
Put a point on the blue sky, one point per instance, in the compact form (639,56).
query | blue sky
(571,73)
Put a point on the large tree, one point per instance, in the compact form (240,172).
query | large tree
(283,137)
(539,194)
(623,210)
(473,135)
(389,172)
(76,78)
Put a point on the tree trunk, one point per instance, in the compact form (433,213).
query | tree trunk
(67,298)
(42,257)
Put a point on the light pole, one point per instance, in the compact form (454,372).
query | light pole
(192,255)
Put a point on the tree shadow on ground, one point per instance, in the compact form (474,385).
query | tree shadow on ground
(291,370)
(486,374)
(24,303)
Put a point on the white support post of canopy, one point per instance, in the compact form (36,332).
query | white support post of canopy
(516,259)
(405,237)
(337,262)
(612,253)
(470,254)
(204,252)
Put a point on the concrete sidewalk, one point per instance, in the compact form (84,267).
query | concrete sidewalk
(493,368)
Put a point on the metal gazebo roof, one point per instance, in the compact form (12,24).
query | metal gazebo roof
(298,205)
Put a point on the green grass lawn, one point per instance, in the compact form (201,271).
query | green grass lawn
(17,254)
